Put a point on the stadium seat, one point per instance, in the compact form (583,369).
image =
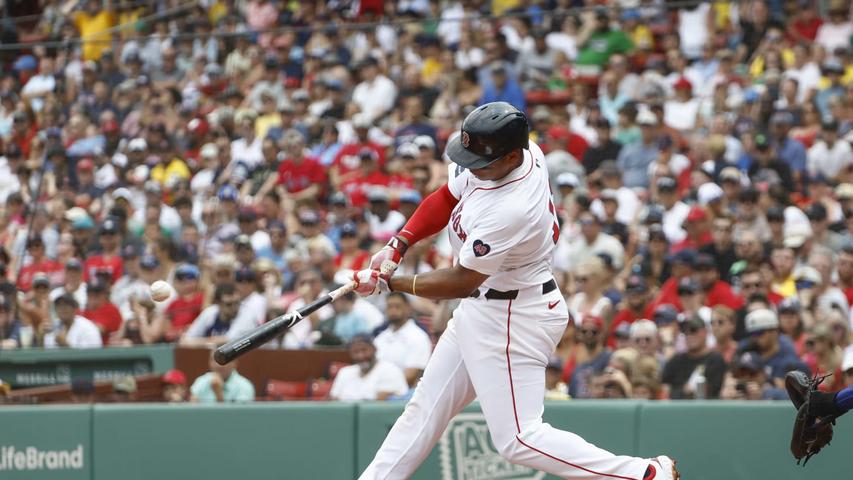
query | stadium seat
(318,390)
(281,390)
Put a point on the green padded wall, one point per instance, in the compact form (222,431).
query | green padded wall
(46,443)
(261,441)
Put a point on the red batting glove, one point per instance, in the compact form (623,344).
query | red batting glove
(386,260)
(368,282)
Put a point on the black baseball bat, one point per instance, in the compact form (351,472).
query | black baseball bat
(264,333)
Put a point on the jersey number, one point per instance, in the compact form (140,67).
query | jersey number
(555,235)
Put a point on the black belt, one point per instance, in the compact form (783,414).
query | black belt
(493,294)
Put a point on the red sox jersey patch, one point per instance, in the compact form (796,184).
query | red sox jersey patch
(481,248)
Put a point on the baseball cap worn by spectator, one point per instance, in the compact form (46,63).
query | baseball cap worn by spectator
(41,280)
(807,277)
(709,193)
(174,377)
(635,284)
(761,320)
(186,271)
(643,329)
(692,323)
(789,305)
(568,179)
(749,361)
(149,262)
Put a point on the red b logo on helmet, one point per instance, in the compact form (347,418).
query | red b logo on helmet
(465,139)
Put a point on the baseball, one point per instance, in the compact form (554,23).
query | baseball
(160,291)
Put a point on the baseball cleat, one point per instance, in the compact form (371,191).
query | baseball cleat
(662,468)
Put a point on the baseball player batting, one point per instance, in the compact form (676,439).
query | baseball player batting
(503,230)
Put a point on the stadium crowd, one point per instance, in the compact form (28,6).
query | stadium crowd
(248,151)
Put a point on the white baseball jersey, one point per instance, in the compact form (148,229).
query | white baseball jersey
(506,229)
(496,349)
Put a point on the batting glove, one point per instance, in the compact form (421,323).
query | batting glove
(368,282)
(387,259)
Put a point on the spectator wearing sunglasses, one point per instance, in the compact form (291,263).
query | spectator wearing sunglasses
(188,302)
(698,371)
(216,323)
(775,349)
(589,357)
(823,356)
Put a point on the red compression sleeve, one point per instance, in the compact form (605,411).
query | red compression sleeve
(430,217)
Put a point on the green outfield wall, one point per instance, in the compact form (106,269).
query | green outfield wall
(329,441)
(36,367)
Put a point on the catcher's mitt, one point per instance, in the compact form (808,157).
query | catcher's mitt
(811,433)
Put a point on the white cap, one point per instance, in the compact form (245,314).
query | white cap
(361,120)
(761,319)
(74,213)
(568,179)
(847,364)
(708,192)
(424,141)
(209,150)
(119,160)
(643,328)
(646,117)
(808,273)
(137,145)
(140,173)
(121,192)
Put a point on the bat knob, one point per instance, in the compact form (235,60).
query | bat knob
(220,357)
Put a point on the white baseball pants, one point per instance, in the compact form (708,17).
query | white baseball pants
(496,351)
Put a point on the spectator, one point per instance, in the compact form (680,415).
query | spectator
(589,357)
(598,41)
(186,306)
(376,93)
(589,299)
(222,384)
(748,381)
(823,357)
(634,159)
(633,307)
(100,310)
(555,388)
(603,149)
(723,325)
(590,242)
(174,386)
(503,88)
(309,286)
(368,378)
(644,338)
(215,324)
(402,342)
(775,350)
(698,372)
(73,331)
(345,324)
(10,326)
(829,156)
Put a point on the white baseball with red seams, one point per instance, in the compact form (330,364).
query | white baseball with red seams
(496,350)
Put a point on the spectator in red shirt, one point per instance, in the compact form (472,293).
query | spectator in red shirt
(109,260)
(303,177)
(845,272)
(187,304)
(717,292)
(573,143)
(348,160)
(351,256)
(633,307)
(39,263)
(805,25)
(368,175)
(683,263)
(698,231)
(100,310)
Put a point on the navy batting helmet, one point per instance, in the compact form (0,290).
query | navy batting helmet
(488,133)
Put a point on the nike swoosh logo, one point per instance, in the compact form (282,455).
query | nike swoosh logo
(552,305)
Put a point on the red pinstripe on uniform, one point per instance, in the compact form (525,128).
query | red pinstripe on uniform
(515,410)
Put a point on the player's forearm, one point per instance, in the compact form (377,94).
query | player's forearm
(441,284)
